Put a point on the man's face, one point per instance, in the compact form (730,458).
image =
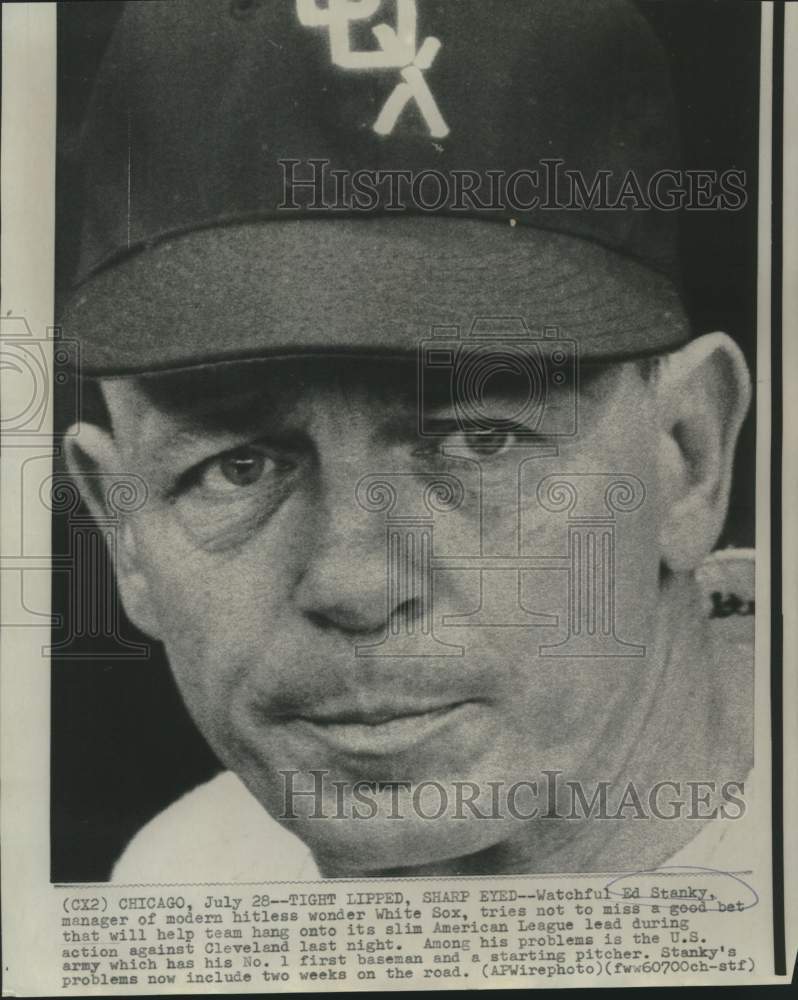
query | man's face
(303,639)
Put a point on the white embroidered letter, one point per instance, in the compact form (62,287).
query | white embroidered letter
(397,50)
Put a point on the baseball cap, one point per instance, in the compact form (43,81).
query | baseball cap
(220,136)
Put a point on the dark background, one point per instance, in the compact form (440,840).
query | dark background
(123,746)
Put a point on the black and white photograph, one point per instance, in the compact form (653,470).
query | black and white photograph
(350,367)
(407,462)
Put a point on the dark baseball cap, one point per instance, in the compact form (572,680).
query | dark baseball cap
(220,136)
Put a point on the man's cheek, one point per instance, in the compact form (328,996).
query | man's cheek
(204,639)
(205,676)
(192,590)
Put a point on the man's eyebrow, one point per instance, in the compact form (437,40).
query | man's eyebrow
(185,446)
(211,408)
(441,394)
(589,373)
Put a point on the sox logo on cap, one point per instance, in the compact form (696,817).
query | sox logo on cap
(398,48)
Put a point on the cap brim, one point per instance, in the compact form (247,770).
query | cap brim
(315,286)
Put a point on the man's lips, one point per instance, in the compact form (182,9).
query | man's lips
(381,730)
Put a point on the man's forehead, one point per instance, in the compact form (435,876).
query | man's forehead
(234,394)
(213,393)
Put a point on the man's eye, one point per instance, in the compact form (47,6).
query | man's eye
(226,498)
(242,468)
(235,470)
(485,443)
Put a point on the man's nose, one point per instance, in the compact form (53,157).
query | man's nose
(345,580)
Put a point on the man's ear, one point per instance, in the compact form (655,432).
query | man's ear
(703,392)
(93,461)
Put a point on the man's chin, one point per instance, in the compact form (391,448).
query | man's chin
(385,843)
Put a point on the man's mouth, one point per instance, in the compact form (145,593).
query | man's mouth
(381,731)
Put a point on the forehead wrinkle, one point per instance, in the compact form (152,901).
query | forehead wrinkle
(209,402)
(189,408)
(286,381)
(177,409)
